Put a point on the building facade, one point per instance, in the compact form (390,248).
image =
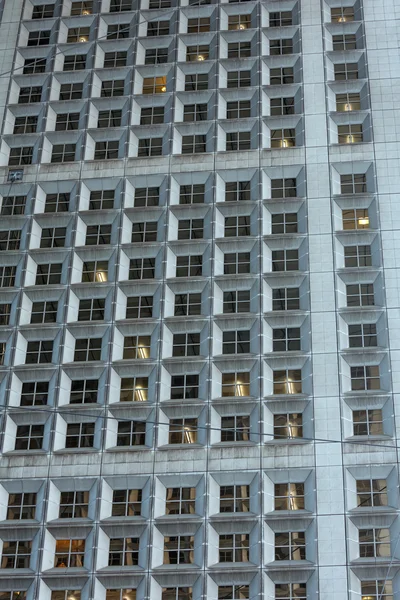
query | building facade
(199,300)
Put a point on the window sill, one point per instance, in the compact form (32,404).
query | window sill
(138,448)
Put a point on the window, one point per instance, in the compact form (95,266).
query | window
(154,85)
(56,203)
(147,197)
(43,11)
(47,274)
(142,268)
(280,19)
(178,593)
(115,59)
(134,389)
(159,4)
(195,112)
(236,191)
(278,47)
(235,263)
(377,590)
(190,229)
(283,138)
(239,22)
(239,109)
(344,42)
(53,238)
(365,378)
(290,545)
(196,82)
(112,88)
(109,118)
(287,381)
(139,307)
(197,53)
(34,393)
(25,124)
(362,335)
(235,384)
(368,422)
(288,426)
(63,153)
(236,342)
(144,232)
(284,223)
(237,226)
(350,134)
(282,106)
(106,150)
(187,304)
(182,431)
(137,347)
(286,299)
(348,101)
(78,34)
(34,65)
(20,156)
(346,71)
(178,550)
(371,492)
(39,38)
(7,276)
(65,594)
(198,25)
(118,31)
(184,387)
(286,339)
(80,435)
(74,505)
(355,218)
(71,91)
(189,266)
(69,553)
(238,140)
(152,115)
(87,349)
(150,147)
(291,591)
(76,62)
(236,301)
(98,235)
(84,391)
(126,503)
(39,352)
(124,552)
(95,271)
(281,75)
(30,94)
(82,7)
(156,28)
(91,309)
(289,496)
(156,56)
(101,199)
(13,205)
(180,501)
(16,555)
(29,437)
(235,428)
(186,344)
(234,498)
(192,194)
(360,294)
(21,506)
(239,49)
(283,188)
(194,143)
(120,5)
(5,311)
(44,312)
(374,543)
(285,260)
(131,433)
(234,547)
(238,79)
(342,14)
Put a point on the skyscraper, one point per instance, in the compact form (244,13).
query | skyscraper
(199,300)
